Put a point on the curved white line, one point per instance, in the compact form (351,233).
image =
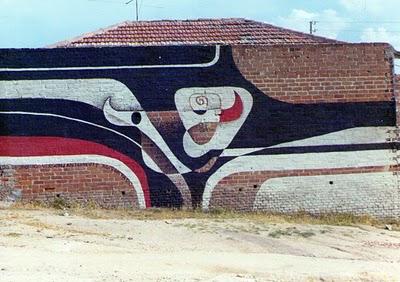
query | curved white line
(82,159)
(201,65)
(297,161)
(177,164)
(73,119)
(356,135)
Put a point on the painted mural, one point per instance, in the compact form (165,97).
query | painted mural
(179,121)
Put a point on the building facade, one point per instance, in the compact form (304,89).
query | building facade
(306,124)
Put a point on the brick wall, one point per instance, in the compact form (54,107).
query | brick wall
(81,183)
(315,74)
(271,128)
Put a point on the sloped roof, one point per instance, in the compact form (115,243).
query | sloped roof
(190,32)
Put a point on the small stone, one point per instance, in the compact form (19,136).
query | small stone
(388,227)
(69,223)
(49,237)
(130,238)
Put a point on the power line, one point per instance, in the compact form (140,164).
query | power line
(123,3)
(348,22)
(352,30)
(105,1)
(136,8)
(323,21)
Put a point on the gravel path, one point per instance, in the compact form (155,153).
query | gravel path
(45,246)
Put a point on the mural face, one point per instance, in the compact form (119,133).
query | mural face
(174,121)
(222,109)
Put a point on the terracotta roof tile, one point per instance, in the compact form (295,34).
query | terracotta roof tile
(202,31)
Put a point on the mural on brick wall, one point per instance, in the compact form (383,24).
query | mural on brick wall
(183,127)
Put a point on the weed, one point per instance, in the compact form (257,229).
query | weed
(306,234)
(278,233)
(13,234)
(92,210)
(59,203)
(289,232)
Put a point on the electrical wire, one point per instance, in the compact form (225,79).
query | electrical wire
(361,22)
(105,1)
(352,30)
(123,3)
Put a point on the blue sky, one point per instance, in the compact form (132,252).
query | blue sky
(37,23)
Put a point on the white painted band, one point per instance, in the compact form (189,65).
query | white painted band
(309,161)
(351,136)
(356,135)
(328,193)
(72,119)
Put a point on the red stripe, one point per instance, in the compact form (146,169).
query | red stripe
(56,146)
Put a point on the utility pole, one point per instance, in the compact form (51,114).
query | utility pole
(136,6)
(312,27)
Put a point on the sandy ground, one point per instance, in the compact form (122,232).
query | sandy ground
(47,246)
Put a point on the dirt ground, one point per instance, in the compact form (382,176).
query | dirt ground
(50,245)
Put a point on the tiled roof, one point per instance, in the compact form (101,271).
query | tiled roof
(202,32)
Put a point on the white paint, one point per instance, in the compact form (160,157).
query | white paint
(94,92)
(357,135)
(329,193)
(225,132)
(150,163)
(200,65)
(145,155)
(123,118)
(82,159)
(236,152)
(72,119)
(298,162)
(120,118)
(114,98)
(180,183)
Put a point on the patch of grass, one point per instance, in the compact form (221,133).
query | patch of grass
(59,203)
(92,210)
(61,229)
(278,233)
(13,234)
(306,234)
(291,231)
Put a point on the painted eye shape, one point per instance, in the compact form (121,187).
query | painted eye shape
(136,118)
(200,112)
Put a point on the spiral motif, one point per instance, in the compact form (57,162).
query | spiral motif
(202,100)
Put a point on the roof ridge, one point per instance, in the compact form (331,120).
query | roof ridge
(189,20)
(91,33)
(311,36)
(228,31)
